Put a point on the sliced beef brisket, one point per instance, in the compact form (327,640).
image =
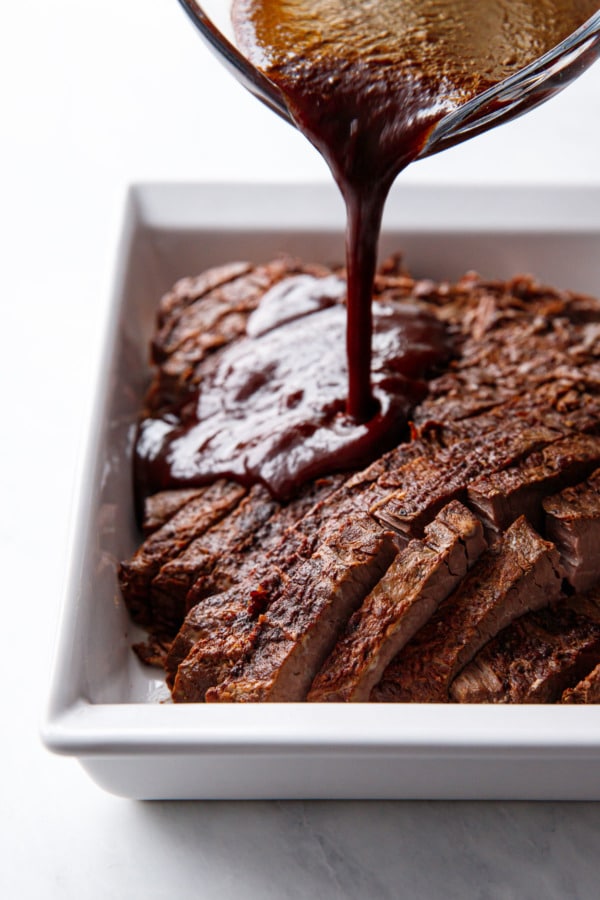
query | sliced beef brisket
(231,597)
(586,691)
(501,497)
(573,523)
(232,565)
(190,521)
(303,618)
(431,481)
(168,591)
(159,508)
(216,635)
(536,658)
(323,590)
(521,572)
(519,336)
(192,288)
(422,575)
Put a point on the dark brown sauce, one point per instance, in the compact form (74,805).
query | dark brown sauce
(366,81)
(270,408)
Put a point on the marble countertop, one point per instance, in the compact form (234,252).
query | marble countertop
(95,96)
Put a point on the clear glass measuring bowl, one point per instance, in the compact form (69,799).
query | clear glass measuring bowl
(517,94)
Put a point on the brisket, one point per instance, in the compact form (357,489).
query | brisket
(168,592)
(422,575)
(518,338)
(221,630)
(501,497)
(159,508)
(536,658)
(304,617)
(586,691)
(429,482)
(201,322)
(153,651)
(319,590)
(188,290)
(216,635)
(573,523)
(191,520)
(521,572)
(200,315)
(233,585)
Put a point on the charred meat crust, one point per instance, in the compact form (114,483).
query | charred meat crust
(520,573)
(537,658)
(586,691)
(226,603)
(269,591)
(190,521)
(573,523)
(430,482)
(422,575)
(499,498)
(302,621)
(169,589)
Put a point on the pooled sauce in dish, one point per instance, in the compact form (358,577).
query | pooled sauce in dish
(270,408)
(366,81)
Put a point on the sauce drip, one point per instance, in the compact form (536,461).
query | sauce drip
(367,80)
(270,407)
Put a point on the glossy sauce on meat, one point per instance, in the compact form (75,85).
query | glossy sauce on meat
(270,407)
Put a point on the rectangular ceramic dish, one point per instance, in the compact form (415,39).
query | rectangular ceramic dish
(105,707)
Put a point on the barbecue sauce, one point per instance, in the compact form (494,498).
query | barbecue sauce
(270,407)
(366,81)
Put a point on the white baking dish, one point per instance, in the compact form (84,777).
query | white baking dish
(105,707)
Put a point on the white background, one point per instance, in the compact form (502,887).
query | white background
(95,95)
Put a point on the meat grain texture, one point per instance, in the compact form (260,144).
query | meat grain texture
(461,566)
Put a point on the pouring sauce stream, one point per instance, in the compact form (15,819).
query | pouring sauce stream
(366,81)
